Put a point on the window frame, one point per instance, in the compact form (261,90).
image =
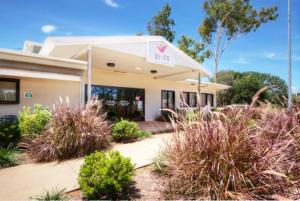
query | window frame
(17,81)
(206,99)
(173,99)
(188,99)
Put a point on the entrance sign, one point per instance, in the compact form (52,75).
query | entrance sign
(159,53)
(27,95)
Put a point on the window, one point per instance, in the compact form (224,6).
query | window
(189,98)
(9,91)
(207,99)
(121,102)
(168,99)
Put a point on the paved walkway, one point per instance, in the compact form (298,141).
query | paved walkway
(156,126)
(24,181)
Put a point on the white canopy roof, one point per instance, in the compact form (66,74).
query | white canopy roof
(133,54)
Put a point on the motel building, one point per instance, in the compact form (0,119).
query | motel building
(135,76)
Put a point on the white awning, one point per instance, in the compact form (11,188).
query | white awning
(38,74)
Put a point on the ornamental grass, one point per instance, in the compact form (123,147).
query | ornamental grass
(72,132)
(235,153)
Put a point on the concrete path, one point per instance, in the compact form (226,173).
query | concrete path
(24,181)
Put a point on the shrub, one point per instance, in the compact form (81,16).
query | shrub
(144,134)
(125,131)
(105,175)
(8,156)
(222,157)
(32,122)
(72,132)
(9,133)
(54,194)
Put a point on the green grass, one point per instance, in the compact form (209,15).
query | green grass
(54,194)
(158,163)
(8,156)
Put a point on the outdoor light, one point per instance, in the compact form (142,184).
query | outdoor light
(110,65)
(153,71)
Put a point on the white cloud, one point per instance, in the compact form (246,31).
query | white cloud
(240,60)
(270,55)
(48,28)
(111,3)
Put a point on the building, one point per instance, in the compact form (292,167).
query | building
(135,76)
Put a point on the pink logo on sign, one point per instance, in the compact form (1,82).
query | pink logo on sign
(162,48)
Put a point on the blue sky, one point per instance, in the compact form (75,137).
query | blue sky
(264,50)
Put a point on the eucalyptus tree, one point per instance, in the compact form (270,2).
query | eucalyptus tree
(227,19)
(162,23)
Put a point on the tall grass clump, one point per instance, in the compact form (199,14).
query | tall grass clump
(50,195)
(236,153)
(8,156)
(72,132)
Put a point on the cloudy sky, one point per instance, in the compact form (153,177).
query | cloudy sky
(264,50)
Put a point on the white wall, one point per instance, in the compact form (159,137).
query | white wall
(45,92)
(152,88)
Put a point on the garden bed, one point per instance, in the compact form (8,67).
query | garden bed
(147,185)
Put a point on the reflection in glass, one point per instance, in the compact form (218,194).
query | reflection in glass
(121,102)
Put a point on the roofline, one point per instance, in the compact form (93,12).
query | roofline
(220,86)
(17,56)
(50,42)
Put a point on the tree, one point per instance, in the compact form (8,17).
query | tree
(161,24)
(193,48)
(227,19)
(245,85)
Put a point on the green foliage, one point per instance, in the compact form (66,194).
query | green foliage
(245,85)
(105,175)
(8,156)
(233,17)
(193,48)
(225,20)
(125,131)
(54,194)
(33,121)
(9,133)
(192,116)
(161,24)
(144,134)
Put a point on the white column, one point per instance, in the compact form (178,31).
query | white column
(89,85)
(82,89)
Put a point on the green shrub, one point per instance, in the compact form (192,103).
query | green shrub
(125,131)
(9,133)
(54,194)
(105,175)
(33,121)
(144,134)
(8,156)
(72,132)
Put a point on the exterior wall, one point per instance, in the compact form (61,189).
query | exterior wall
(152,88)
(45,92)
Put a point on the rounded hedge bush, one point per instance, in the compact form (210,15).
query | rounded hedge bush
(32,121)
(105,175)
(125,131)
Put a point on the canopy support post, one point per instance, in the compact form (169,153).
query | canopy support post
(89,85)
(199,91)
